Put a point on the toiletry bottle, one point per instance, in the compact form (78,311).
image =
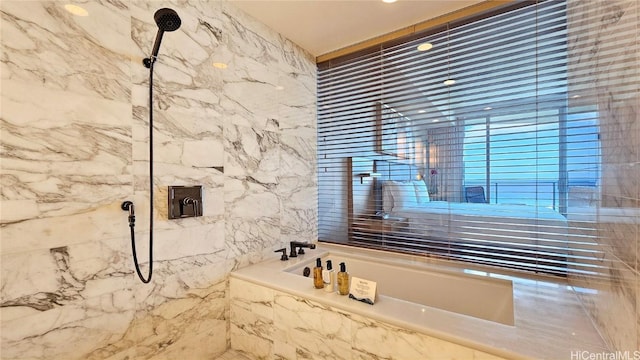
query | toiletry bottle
(329,278)
(343,280)
(317,275)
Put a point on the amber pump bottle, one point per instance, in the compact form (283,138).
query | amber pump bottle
(343,280)
(317,275)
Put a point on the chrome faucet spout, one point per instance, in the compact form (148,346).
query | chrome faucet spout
(299,246)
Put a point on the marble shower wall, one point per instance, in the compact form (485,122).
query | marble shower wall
(603,70)
(74,145)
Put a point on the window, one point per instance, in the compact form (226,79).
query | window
(476,150)
(521,164)
(530,175)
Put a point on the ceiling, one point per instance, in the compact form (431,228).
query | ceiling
(322,26)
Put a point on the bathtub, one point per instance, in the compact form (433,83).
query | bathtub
(463,312)
(480,297)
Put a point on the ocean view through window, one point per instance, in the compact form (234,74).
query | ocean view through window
(522,163)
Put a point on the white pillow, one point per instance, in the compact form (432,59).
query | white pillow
(422,193)
(387,198)
(404,194)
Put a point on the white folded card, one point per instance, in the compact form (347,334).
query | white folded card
(363,290)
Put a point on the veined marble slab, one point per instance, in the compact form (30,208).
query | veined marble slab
(74,145)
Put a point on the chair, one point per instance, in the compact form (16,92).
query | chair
(474,194)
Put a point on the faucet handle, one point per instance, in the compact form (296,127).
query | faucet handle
(284,256)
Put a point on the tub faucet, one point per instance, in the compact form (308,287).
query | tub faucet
(284,256)
(300,246)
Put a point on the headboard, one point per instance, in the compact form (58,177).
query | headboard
(391,170)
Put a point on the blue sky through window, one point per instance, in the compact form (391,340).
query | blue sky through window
(524,155)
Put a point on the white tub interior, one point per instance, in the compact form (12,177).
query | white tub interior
(477,296)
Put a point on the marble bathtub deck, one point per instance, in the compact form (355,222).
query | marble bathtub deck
(550,322)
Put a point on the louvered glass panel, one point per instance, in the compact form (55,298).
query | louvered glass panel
(475,150)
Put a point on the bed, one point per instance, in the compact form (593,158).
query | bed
(512,235)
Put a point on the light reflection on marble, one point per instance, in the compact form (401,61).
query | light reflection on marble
(75,145)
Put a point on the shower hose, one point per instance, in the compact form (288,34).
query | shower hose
(131,215)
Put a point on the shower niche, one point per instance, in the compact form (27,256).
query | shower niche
(185,201)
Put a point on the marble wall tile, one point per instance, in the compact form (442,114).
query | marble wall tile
(191,326)
(250,333)
(314,330)
(252,216)
(603,56)
(75,297)
(75,134)
(620,239)
(609,299)
(40,335)
(297,184)
(62,156)
(612,75)
(252,153)
(46,45)
(252,318)
(257,300)
(389,342)
(637,292)
(45,279)
(294,108)
(271,324)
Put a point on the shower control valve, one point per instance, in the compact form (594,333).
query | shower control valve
(184,201)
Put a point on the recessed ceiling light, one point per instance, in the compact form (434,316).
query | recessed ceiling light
(449,82)
(422,111)
(488,108)
(436,120)
(575,96)
(219,65)
(425,46)
(389,1)
(76,10)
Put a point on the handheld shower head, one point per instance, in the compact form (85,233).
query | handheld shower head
(167,20)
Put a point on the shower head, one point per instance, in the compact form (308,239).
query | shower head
(167,20)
